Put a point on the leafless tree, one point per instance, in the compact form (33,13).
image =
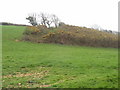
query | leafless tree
(49,22)
(32,19)
(44,19)
(55,20)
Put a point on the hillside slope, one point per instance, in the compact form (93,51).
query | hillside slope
(33,65)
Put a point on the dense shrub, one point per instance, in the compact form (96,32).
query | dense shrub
(71,35)
(32,30)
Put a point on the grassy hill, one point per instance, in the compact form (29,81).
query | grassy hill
(32,65)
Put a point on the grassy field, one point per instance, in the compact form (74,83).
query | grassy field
(32,65)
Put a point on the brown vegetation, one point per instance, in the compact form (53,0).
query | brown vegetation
(71,35)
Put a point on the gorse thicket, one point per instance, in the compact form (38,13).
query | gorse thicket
(70,35)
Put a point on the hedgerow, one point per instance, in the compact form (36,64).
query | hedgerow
(71,35)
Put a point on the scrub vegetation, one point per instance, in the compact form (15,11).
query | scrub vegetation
(70,35)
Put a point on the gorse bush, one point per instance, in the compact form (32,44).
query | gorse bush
(71,35)
(32,30)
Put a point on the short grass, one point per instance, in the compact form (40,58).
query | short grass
(33,65)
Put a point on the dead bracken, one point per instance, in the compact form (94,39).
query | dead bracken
(36,74)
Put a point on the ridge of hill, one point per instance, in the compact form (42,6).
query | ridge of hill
(7,23)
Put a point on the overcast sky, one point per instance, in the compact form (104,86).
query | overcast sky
(74,12)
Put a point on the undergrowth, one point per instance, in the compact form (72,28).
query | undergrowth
(71,35)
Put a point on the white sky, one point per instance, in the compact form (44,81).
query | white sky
(74,12)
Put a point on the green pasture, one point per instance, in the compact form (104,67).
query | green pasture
(39,65)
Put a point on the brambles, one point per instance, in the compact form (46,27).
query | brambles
(72,35)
